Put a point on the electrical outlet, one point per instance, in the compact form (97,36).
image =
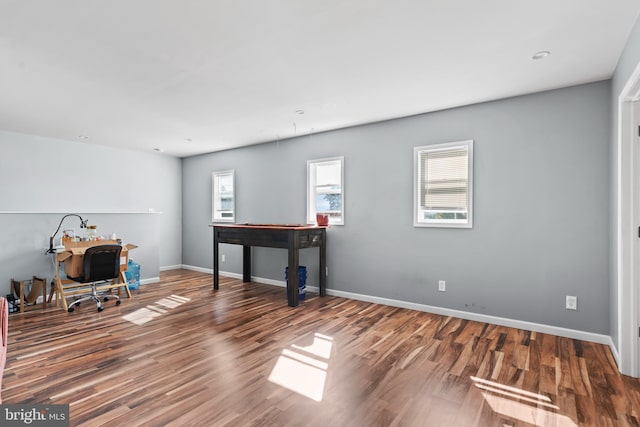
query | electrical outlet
(571,303)
(223,258)
(442,285)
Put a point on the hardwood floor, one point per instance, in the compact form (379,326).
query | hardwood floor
(180,354)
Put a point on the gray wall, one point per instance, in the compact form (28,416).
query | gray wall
(627,63)
(48,178)
(541,229)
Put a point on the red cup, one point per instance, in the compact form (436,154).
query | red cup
(322,219)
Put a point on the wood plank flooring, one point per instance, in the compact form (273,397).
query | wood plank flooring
(179,354)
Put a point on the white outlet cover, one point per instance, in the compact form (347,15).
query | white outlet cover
(571,302)
(442,285)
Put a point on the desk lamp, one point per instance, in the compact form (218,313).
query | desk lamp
(83,224)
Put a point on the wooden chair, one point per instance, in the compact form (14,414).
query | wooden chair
(28,301)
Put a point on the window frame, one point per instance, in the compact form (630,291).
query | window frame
(442,223)
(311,180)
(215,197)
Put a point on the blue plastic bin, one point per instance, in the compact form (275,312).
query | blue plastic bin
(302,280)
(133,275)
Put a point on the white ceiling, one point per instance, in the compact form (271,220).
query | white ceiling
(195,76)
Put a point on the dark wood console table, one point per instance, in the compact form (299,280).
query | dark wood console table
(286,236)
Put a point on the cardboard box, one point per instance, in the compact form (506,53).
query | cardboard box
(72,255)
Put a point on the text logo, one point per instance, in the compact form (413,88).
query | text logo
(34,415)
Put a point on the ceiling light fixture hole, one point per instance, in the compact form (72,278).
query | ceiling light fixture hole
(540,55)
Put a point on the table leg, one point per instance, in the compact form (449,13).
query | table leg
(323,265)
(59,290)
(122,279)
(292,281)
(216,264)
(246,263)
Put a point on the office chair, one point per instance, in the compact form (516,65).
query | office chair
(99,264)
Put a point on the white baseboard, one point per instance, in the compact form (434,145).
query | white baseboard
(614,351)
(171,267)
(198,269)
(512,323)
(501,321)
(239,276)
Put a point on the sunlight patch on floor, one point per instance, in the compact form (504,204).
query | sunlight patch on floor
(148,313)
(321,346)
(303,369)
(522,405)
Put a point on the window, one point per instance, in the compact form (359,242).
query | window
(443,185)
(223,206)
(325,189)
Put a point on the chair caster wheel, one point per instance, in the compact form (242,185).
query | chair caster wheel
(70,309)
(118,302)
(100,308)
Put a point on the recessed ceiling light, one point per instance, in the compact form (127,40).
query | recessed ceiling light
(159,150)
(540,55)
(299,111)
(83,137)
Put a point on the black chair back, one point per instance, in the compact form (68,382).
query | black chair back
(101,263)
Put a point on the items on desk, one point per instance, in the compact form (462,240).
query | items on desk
(92,232)
(322,219)
(68,235)
(83,224)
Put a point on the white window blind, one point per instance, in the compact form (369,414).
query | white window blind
(444,179)
(443,187)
